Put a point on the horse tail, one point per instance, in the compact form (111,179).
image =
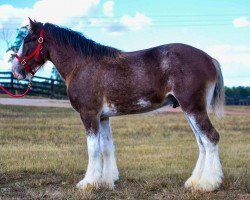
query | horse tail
(217,101)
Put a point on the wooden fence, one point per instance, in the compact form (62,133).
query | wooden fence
(40,86)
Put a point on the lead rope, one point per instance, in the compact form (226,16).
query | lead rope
(17,95)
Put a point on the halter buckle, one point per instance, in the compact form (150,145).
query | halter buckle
(40,40)
(23,62)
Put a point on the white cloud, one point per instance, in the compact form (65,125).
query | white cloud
(127,23)
(235,62)
(57,11)
(108,8)
(231,53)
(241,22)
(8,11)
(137,22)
(54,11)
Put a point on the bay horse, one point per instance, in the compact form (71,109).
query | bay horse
(103,82)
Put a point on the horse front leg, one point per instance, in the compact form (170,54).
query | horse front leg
(110,172)
(93,174)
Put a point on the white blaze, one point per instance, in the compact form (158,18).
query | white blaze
(16,62)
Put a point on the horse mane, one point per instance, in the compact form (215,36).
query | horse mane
(79,42)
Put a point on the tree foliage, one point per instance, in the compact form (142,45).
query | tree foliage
(21,34)
(237,92)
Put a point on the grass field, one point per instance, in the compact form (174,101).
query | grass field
(43,155)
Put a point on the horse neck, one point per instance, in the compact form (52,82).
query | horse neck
(65,59)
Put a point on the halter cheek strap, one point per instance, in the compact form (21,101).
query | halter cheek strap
(36,53)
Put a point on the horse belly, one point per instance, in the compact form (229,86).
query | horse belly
(140,105)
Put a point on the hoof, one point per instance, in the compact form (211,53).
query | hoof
(109,184)
(203,184)
(209,185)
(191,183)
(87,186)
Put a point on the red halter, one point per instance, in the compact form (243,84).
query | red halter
(34,53)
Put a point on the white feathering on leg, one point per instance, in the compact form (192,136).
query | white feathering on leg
(193,181)
(211,177)
(94,169)
(110,172)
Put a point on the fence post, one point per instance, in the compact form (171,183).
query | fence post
(12,82)
(52,89)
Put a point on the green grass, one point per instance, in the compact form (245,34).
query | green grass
(43,155)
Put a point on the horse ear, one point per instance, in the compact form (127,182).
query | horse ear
(32,24)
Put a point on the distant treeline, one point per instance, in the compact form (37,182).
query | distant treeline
(237,96)
(237,92)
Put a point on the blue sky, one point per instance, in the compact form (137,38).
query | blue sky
(219,27)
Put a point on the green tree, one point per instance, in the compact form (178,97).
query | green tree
(237,92)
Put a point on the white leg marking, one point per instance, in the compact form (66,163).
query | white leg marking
(192,182)
(110,172)
(94,169)
(210,178)
(212,175)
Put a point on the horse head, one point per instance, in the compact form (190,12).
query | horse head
(32,54)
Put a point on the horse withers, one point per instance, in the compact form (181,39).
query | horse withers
(103,82)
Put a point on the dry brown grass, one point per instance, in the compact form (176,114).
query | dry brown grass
(43,155)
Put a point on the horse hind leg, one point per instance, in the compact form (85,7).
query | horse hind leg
(193,181)
(211,174)
(207,174)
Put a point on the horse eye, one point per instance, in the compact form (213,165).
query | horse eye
(27,40)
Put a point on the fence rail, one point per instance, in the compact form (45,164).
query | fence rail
(41,86)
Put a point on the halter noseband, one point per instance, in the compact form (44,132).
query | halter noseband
(36,53)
